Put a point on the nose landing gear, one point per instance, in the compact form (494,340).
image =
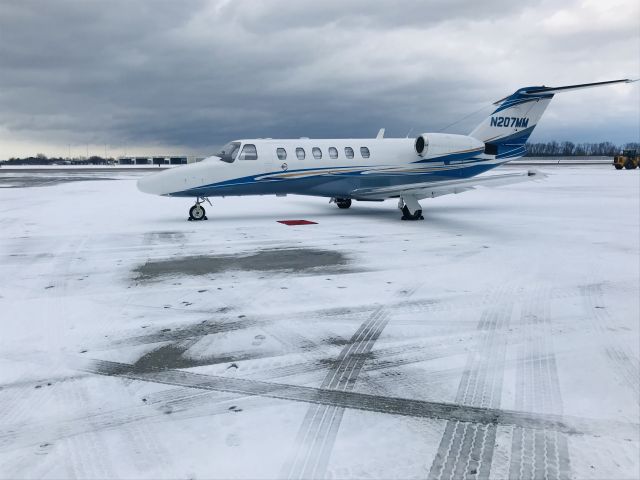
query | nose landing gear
(197,212)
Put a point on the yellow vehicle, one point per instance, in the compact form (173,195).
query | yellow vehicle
(628,159)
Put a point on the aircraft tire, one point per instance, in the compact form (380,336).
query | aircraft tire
(343,202)
(197,212)
(406,214)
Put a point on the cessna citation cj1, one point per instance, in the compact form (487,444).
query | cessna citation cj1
(343,170)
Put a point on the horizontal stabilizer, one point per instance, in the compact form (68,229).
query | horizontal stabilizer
(543,89)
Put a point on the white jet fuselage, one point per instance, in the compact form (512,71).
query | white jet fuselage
(343,168)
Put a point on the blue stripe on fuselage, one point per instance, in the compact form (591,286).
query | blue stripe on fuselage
(337,184)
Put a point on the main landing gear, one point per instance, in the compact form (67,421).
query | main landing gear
(197,212)
(410,207)
(341,202)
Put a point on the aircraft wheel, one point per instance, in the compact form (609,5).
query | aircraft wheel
(343,202)
(197,212)
(406,214)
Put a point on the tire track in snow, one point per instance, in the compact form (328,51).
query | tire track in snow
(317,434)
(344,399)
(538,453)
(85,454)
(479,300)
(399,407)
(466,448)
(184,398)
(174,399)
(319,428)
(623,361)
(16,403)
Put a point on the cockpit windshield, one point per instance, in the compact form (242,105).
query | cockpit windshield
(229,152)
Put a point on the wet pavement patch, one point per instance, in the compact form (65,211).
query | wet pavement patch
(191,331)
(291,259)
(168,356)
(341,342)
(173,356)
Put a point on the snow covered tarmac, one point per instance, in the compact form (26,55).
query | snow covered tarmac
(497,338)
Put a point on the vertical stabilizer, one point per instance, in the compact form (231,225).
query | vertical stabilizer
(506,131)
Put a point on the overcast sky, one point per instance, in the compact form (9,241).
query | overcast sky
(185,77)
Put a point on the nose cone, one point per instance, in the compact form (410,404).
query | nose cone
(149,184)
(181,181)
(161,183)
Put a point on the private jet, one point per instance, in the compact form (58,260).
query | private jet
(343,170)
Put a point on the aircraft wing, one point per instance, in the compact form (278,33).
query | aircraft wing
(436,189)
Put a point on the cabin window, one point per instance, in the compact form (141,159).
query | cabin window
(300,153)
(317,153)
(364,151)
(348,151)
(282,153)
(333,152)
(249,152)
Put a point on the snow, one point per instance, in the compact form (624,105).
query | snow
(519,303)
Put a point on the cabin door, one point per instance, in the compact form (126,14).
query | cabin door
(267,158)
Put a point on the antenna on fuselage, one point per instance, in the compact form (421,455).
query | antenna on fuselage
(409,132)
(380,133)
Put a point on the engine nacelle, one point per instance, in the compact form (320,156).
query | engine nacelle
(436,144)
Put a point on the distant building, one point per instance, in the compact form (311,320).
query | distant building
(157,160)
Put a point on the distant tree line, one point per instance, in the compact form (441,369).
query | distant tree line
(570,149)
(541,149)
(42,159)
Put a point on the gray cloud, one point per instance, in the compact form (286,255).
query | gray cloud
(193,75)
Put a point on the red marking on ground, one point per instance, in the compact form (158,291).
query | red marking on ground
(297,222)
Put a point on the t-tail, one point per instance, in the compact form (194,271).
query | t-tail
(506,130)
